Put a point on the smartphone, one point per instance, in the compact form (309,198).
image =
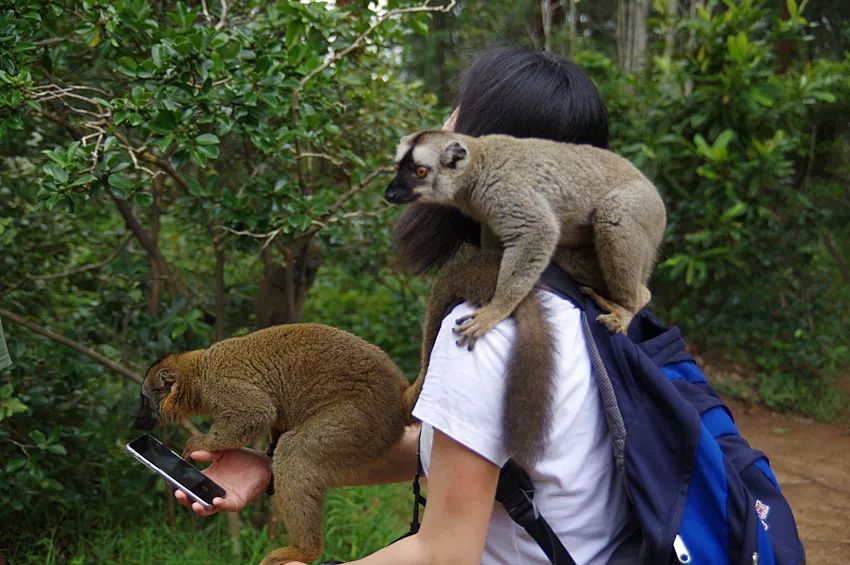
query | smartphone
(174,469)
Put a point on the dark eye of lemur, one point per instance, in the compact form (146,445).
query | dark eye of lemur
(421,172)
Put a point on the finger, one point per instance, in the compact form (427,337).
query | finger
(226,504)
(201,511)
(203,455)
(462,319)
(181,498)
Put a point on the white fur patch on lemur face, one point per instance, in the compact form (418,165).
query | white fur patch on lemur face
(427,154)
(402,148)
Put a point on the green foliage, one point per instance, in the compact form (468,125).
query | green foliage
(235,136)
(140,143)
(358,521)
(735,146)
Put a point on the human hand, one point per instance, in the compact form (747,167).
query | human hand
(243,473)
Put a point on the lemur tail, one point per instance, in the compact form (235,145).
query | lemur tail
(527,412)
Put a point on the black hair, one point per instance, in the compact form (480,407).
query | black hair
(510,91)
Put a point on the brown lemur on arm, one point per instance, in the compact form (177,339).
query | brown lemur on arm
(332,402)
(541,199)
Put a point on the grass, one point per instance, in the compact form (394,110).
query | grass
(358,521)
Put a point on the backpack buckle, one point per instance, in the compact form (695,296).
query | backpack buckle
(521,507)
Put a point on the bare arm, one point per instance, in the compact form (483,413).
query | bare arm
(245,473)
(398,465)
(461,490)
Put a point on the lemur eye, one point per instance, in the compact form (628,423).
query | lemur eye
(421,172)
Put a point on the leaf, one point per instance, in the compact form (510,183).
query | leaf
(207,139)
(57,448)
(38,437)
(94,37)
(157,54)
(735,210)
(127,66)
(120,182)
(824,96)
(210,151)
(85,179)
(15,464)
(143,198)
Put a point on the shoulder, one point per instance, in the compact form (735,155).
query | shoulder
(463,392)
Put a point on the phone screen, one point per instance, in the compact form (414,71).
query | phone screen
(177,471)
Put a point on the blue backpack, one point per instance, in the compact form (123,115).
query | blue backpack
(698,491)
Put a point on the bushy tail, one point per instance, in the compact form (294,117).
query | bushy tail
(527,413)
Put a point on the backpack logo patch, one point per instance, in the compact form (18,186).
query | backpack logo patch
(762,509)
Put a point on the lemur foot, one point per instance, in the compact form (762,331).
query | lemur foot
(615,322)
(472,326)
(289,554)
(618,318)
(194,443)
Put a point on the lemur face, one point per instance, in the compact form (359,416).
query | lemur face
(427,164)
(156,388)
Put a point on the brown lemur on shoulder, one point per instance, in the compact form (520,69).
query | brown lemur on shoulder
(588,207)
(332,402)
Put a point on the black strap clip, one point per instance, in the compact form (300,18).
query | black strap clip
(520,506)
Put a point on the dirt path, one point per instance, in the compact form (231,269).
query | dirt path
(812,463)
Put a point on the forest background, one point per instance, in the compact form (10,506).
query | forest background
(174,173)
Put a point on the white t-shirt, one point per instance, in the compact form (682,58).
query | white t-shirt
(577,489)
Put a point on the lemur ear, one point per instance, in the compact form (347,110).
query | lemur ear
(166,377)
(452,154)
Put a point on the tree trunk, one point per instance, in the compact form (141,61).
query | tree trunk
(785,47)
(280,298)
(147,243)
(632,33)
(220,258)
(572,20)
(546,17)
(155,291)
(670,34)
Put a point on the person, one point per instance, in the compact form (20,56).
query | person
(525,94)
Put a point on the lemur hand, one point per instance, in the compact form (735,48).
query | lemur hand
(472,326)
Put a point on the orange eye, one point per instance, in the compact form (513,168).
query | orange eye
(421,172)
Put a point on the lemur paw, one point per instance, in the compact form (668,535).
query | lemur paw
(473,326)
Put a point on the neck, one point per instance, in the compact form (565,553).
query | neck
(188,395)
(468,181)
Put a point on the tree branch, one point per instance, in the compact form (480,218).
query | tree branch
(125,372)
(79,347)
(362,37)
(320,222)
(83,269)
(837,256)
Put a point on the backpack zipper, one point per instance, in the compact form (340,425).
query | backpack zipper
(612,413)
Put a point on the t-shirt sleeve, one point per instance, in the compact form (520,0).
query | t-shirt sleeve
(463,393)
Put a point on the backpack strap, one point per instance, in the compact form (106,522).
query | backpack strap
(557,280)
(516,493)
